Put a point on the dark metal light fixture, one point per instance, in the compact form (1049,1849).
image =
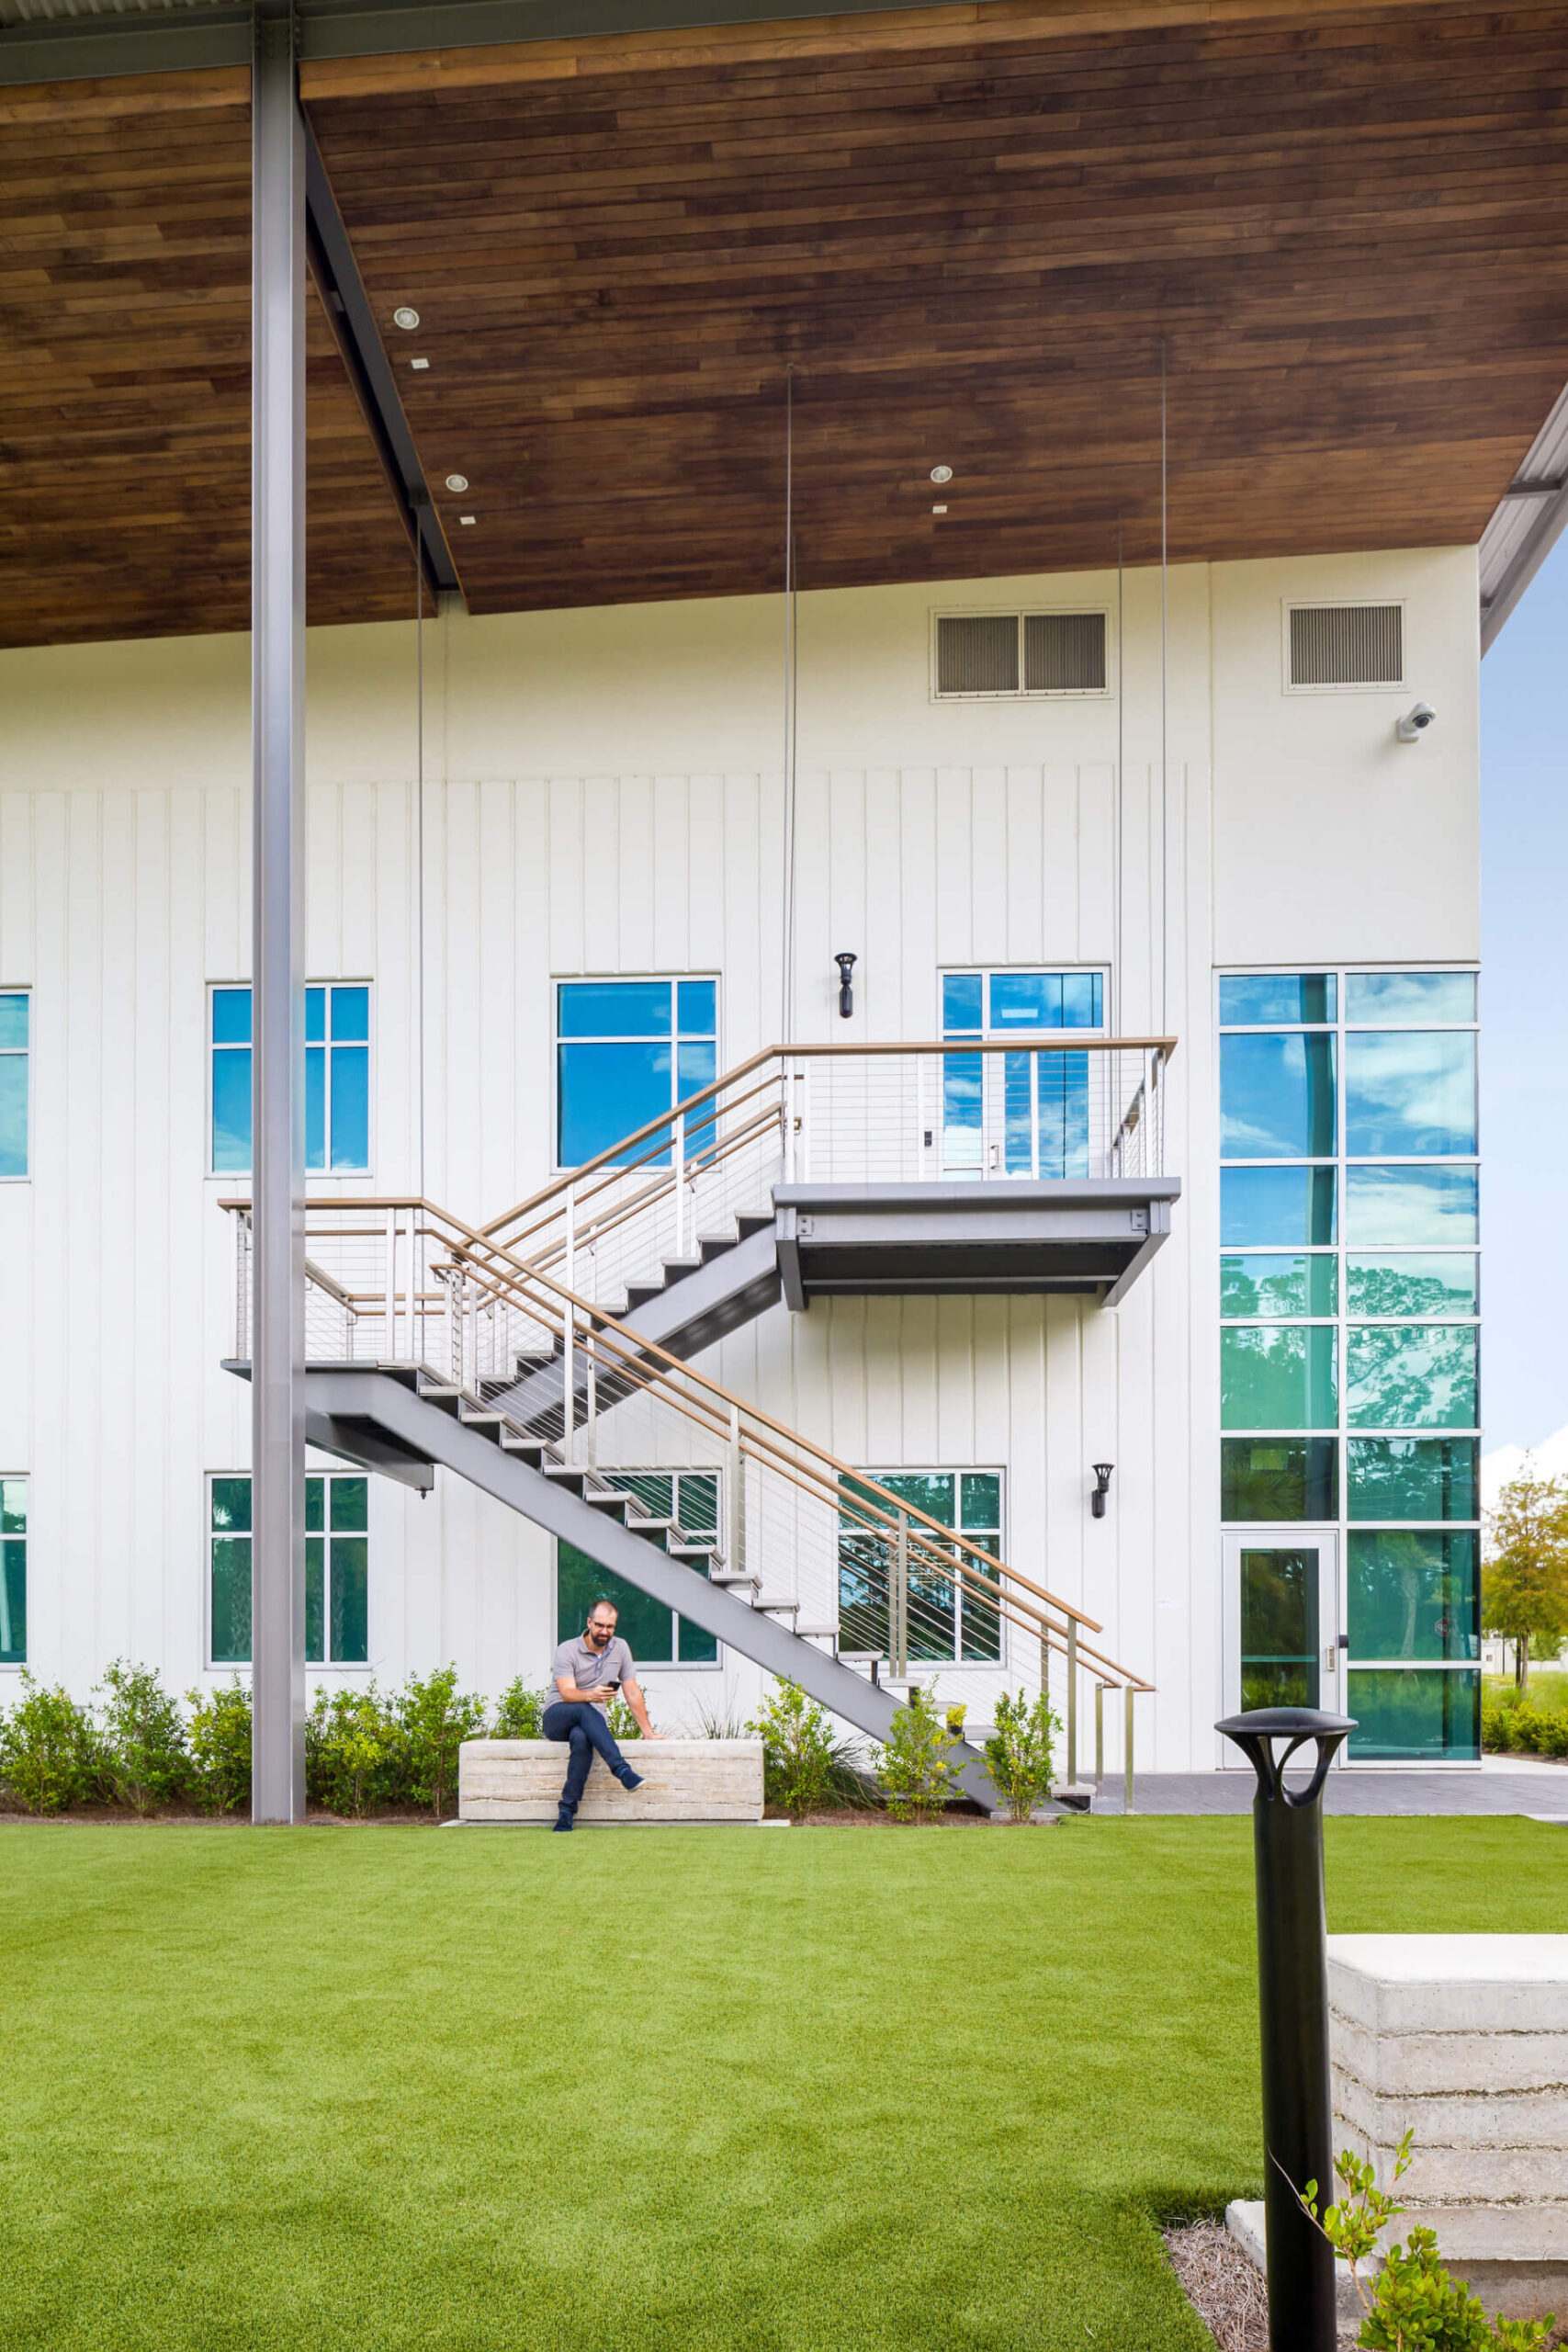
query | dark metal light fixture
(1101,1487)
(846,964)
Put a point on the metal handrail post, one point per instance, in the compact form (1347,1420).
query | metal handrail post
(1099,1738)
(736,1513)
(1127,1805)
(388,1325)
(569,1324)
(898,1630)
(1072,1702)
(680,1162)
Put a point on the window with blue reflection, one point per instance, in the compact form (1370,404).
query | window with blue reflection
(626,1052)
(1410,1376)
(1418,997)
(1276,1285)
(1255,1000)
(337,1079)
(1277,1096)
(15,1014)
(1411,1282)
(1287,1207)
(1410,1207)
(1409,1091)
(1020,1114)
(13,1572)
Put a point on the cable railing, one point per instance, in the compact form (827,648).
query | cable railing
(402,1284)
(1062,1107)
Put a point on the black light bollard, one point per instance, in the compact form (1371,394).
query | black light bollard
(1292,2013)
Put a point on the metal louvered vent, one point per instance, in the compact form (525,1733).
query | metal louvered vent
(1021,653)
(977,654)
(1347,645)
(1064,654)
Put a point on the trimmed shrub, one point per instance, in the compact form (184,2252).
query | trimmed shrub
(433,1722)
(219,1738)
(351,1740)
(1018,1754)
(48,1750)
(142,1739)
(799,1751)
(518,1713)
(915,1770)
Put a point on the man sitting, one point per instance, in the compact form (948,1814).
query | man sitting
(587,1673)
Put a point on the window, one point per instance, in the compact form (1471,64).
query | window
(1332,646)
(13,1572)
(15,1014)
(1019,653)
(657,1635)
(1349,1302)
(337,1553)
(1023,1114)
(337,1080)
(625,1052)
(944,1624)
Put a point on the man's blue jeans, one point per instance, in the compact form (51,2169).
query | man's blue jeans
(585,1728)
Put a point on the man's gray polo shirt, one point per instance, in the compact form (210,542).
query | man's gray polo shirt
(581,1663)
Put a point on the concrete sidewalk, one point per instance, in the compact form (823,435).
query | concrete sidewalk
(1502,1784)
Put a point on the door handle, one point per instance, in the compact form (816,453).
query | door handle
(1330,1661)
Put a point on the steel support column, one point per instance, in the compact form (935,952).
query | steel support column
(277,1099)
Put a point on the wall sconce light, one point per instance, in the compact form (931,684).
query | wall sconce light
(1101,1487)
(846,964)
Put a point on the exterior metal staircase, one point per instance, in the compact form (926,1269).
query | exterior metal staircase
(534,1356)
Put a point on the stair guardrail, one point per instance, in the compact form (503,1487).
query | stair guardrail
(400,1283)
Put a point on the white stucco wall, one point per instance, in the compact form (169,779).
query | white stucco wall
(603,794)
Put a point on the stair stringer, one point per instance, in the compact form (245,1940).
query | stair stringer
(690,1313)
(349,1400)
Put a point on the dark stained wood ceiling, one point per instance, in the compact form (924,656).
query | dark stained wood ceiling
(972,232)
(1345,230)
(125,384)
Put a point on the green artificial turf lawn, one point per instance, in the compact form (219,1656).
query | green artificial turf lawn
(385,2088)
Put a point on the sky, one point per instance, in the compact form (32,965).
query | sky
(1524,1047)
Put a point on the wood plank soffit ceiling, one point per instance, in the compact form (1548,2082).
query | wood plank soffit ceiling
(973,234)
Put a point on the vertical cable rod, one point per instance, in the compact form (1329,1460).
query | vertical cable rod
(1164,685)
(786,984)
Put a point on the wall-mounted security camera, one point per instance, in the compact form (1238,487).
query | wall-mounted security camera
(1415,723)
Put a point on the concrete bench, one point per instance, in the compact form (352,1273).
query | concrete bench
(1462,2040)
(684,1780)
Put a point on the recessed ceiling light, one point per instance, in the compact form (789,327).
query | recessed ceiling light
(939,510)
(465,518)
(942,473)
(419,363)
(458,481)
(405,318)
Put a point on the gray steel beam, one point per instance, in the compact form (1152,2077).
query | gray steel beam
(278,885)
(353,321)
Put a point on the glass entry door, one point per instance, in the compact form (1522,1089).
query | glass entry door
(1282,1606)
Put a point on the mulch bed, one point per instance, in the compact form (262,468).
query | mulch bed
(1228,2293)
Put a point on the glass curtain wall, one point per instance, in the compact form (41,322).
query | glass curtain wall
(1350,1298)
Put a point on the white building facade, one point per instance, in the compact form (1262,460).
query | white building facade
(578,893)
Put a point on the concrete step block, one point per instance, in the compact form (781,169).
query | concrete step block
(683,1780)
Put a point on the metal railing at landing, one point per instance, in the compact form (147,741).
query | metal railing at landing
(402,1284)
(1060,1107)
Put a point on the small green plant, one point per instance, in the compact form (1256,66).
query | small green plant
(1018,1754)
(916,1769)
(433,1720)
(47,1749)
(1414,2305)
(799,1751)
(954,1720)
(218,1737)
(624,1725)
(519,1712)
(349,1739)
(142,1739)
